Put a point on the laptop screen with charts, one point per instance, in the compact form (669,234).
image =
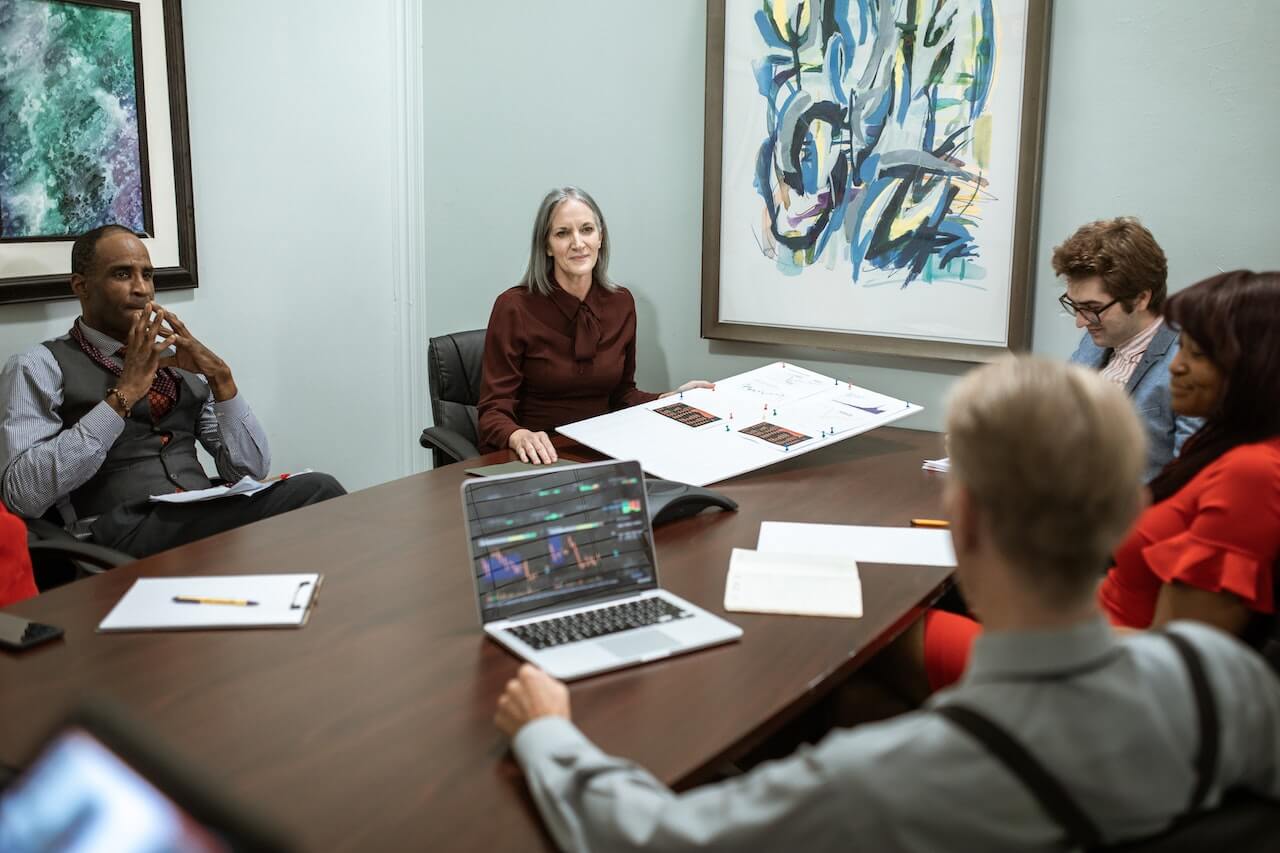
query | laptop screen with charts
(565,572)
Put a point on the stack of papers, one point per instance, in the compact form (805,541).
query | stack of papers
(812,569)
(943,464)
(795,584)
(244,487)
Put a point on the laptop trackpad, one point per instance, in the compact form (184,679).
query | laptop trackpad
(638,644)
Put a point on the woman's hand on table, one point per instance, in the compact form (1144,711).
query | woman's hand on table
(532,447)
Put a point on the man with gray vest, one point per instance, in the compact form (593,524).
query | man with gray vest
(102,418)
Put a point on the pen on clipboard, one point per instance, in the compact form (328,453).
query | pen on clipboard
(197,599)
(930,522)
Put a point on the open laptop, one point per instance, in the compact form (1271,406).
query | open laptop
(99,783)
(565,575)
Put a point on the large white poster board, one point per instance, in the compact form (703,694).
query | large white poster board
(749,421)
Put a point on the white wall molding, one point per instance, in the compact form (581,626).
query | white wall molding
(409,234)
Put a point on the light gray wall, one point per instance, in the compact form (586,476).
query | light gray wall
(1160,109)
(292,137)
(1164,110)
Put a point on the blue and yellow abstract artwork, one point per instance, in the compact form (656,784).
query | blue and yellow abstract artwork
(72,134)
(877,162)
(876,138)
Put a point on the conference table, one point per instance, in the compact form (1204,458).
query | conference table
(371,727)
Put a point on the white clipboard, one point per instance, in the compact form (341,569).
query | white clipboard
(204,603)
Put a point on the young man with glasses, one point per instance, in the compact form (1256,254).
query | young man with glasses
(1115,275)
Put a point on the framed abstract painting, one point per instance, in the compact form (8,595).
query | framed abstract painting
(871,171)
(93,130)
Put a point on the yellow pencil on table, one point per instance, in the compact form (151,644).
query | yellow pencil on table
(929,522)
(197,599)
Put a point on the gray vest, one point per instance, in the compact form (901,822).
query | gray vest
(141,462)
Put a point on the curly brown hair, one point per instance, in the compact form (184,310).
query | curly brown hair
(1123,253)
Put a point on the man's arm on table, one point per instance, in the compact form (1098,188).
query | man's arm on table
(593,801)
(42,462)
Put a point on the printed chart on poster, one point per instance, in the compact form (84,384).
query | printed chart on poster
(748,421)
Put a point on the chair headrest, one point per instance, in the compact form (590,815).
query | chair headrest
(454,366)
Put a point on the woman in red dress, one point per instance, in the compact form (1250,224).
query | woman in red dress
(1207,547)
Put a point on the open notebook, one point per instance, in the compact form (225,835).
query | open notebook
(225,601)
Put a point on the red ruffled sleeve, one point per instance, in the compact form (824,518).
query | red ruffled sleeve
(1233,539)
(1215,568)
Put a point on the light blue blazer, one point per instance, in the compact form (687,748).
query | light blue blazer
(1149,389)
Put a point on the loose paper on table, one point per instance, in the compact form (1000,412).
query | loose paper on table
(793,584)
(747,422)
(244,487)
(283,601)
(904,545)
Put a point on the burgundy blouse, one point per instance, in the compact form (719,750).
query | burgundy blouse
(553,360)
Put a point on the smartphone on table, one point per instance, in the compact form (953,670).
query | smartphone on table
(17,633)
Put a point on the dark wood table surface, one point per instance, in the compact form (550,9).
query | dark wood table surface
(371,728)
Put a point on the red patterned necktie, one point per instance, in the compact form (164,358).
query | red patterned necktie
(163,393)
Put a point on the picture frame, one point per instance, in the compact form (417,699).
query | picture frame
(39,269)
(809,145)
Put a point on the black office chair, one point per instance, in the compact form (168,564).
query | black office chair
(453,371)
(1243,823)
(58,557)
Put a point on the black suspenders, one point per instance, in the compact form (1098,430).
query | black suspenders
(1080,829)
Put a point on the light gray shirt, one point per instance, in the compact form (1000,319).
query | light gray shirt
(43,462)
(1112,718)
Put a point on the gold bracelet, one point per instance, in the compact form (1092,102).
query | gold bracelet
(123,408)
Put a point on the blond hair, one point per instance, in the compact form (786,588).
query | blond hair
(1053,455)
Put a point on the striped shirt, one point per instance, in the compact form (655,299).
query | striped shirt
(42,463)
(1124,359)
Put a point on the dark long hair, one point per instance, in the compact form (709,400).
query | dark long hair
(1234,318)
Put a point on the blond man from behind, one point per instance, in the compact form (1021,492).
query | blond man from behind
(1046,462)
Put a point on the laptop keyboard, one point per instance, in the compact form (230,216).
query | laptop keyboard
(597,623)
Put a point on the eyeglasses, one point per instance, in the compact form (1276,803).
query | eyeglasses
(1092,316)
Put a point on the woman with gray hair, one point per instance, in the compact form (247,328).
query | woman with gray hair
(561,344)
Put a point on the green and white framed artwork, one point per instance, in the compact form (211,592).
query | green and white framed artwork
(93,130)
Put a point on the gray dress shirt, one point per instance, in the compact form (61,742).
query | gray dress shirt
(42,462)
(1113,718)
